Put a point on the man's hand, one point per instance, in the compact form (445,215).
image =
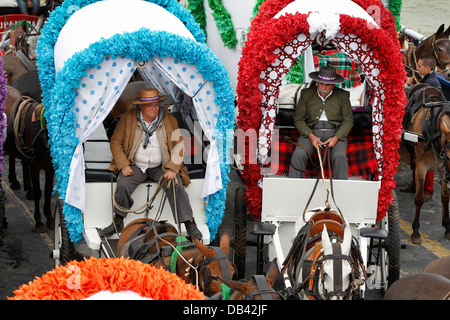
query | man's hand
(170,175)
(331,142)
(315,141)
(409,80)
(127,171)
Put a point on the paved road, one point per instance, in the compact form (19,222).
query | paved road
(26,255)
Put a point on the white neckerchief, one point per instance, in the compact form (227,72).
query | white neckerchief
(323,116)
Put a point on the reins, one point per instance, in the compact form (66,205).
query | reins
(147,206)
(327,202)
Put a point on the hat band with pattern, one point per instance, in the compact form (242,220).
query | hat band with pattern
(149,99)
(322,77)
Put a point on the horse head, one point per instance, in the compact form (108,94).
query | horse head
(257,288)
(437,45)
(336,266)
(214,265)
(27,41)
(441,49)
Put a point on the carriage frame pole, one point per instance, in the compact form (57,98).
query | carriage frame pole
(280,260)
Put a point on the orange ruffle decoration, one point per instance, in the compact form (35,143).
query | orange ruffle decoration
(80,280)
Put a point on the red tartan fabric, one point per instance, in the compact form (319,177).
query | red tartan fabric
(361,158)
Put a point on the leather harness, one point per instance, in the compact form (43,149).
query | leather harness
(150,252)
(262,290)
(20,118)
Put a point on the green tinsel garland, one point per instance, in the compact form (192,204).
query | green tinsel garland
(395,7)
(221,17)
(198,11)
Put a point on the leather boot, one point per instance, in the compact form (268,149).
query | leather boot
(192,230)
(111,229)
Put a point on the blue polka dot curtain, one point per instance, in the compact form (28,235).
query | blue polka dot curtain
(99,91)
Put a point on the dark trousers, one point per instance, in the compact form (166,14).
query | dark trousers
(338,155)
(127,185)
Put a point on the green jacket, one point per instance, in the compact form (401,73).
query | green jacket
(337,108)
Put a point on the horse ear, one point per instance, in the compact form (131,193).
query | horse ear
(347,241)
(225,242)
(326,243)
(207,252)
(439,31)
(39,23)
(272,273)
(447,32)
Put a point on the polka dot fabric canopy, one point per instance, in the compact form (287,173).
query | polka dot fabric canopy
(81,84)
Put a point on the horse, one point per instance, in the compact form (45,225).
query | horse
(432,284)
(19,61)
(154,242)
(440,266)
(427,111)
(28,141)
(437,45)
(328,269)
(421,286)
(259,287)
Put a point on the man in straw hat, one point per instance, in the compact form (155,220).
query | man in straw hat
(147,143)
(323,116)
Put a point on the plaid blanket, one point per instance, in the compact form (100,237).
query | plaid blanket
(344,66)
(361,157)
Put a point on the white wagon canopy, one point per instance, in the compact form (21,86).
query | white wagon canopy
(364,30)
(88,52)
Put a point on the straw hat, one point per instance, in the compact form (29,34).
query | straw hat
(148,96)
(327,74)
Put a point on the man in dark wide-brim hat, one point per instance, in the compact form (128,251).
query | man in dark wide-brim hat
(323,116)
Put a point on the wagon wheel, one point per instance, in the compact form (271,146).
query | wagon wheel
(64,250)
(393,240)
(390,250)
(240,231)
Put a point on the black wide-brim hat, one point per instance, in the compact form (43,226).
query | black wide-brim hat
(327,74)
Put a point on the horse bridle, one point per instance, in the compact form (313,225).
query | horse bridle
(206,274)
(440,61)
(337,258)
(262,289)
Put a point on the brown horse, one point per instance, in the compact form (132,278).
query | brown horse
(153,242)
(437,45)
(256,288)
(440,266)
(421,286)
(435,150)
(432,284)
(19,63)
(27,140)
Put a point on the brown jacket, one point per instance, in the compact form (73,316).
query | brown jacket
(128,135)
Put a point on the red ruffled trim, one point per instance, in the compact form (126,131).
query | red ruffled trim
(80,280)
(267,34)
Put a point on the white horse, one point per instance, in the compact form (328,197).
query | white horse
(332,275)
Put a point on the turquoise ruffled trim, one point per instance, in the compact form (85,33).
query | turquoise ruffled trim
(59,92)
